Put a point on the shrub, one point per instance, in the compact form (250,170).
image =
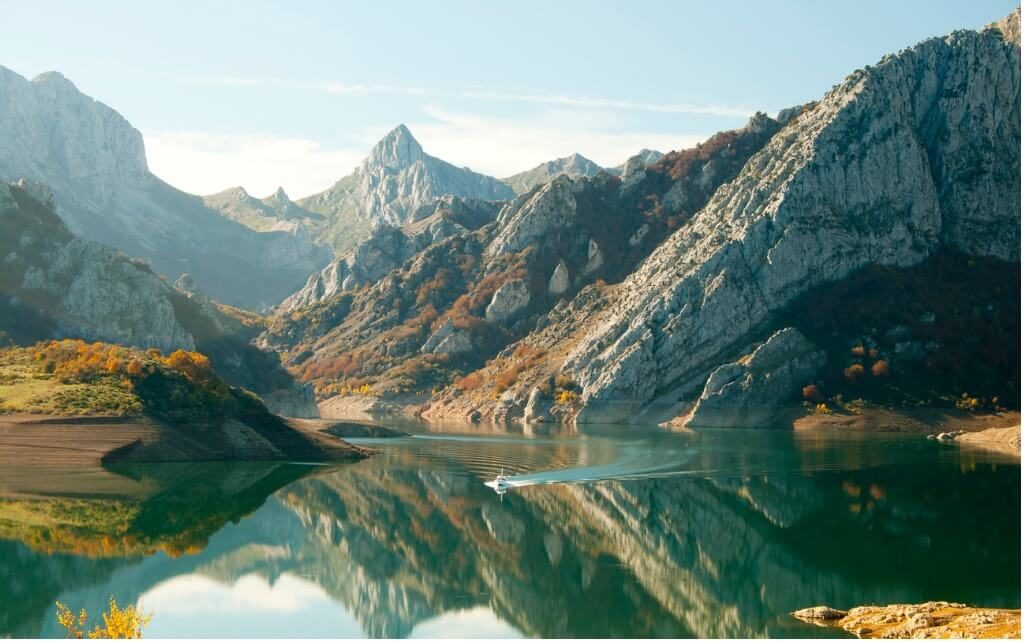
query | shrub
(566,397)
(854,372)
(118,623)
(470,382)
(880,369)
(812,393)
(193,365)
(968,403)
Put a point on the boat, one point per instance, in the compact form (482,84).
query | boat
(500,484)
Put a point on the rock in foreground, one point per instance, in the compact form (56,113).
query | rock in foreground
(931,620)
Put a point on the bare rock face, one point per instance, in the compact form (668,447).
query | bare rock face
(85,289)
(528,219)
(748,393)
(511,298)
(918,153)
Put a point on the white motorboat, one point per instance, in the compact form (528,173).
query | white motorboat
(500,484)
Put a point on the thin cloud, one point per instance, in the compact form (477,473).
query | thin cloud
(502,147)
(324,86)
(480,93)
(607,103)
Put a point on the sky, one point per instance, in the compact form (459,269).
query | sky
(294,94)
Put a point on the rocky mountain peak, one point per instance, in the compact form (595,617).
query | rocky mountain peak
(56,80)
(396,150)
(1008,26)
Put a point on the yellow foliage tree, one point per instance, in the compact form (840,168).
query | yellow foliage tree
(118,623)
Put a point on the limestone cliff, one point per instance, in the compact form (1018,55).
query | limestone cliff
(918,153)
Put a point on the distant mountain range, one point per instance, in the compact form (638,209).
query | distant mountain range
(94,162)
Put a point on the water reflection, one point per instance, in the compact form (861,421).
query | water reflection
(710,534)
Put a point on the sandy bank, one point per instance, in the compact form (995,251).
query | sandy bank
(65,443)
(1005,440)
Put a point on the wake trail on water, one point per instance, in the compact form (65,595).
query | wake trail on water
(628,462)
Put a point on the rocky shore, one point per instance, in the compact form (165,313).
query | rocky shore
(931,620)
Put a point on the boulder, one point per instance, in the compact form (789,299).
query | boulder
(751,391)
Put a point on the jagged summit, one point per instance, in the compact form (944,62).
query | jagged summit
(1009,26)
(279,197)
(398,149)
(396,178)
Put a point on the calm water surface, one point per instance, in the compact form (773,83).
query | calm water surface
(627,534)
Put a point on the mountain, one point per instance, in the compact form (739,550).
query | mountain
(388,247)
(395,180)
(413,308)
(95,163)
(914,155)
(828,253)
(574,166)
(644,156)
(276,212)
(54,284)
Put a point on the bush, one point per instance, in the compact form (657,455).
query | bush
(854,372)
(812,393)
(880,369)
(118,623)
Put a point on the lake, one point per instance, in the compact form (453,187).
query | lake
(627,533)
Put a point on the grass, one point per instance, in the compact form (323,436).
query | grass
(27,388)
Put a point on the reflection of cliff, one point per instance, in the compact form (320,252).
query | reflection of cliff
(397,545)
(709,557)
(56,545)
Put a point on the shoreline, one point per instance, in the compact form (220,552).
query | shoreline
(931,620)
(90,441)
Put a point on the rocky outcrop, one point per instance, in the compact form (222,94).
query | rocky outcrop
(530,218)
(447,340)
(395,180)
(749,392)
(931,620)
(387,248)
(57,285)
(642,158)
(510,299)
(574,166)
(559,281)
(918,153)
(94,161)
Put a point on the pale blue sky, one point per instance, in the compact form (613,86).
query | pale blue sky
(295,93)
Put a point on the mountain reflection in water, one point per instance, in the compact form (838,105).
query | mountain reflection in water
(648,534)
